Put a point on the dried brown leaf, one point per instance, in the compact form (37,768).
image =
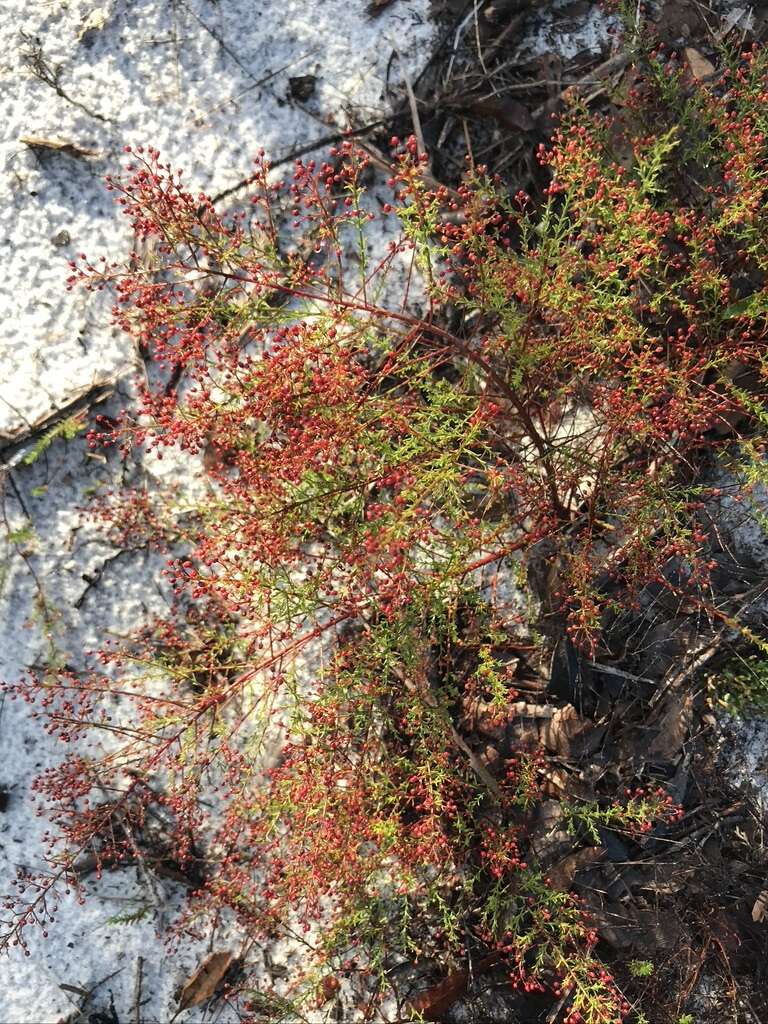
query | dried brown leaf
(563,873)
(701,68)
(375,7)
(482,717)
(205,980)
(628,81)
(673,728)
(567,734)
(58,145)
(433,1002)
(509,113)
(559,784)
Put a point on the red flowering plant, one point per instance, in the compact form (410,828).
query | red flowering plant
(365,463)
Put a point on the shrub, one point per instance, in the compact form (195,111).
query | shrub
(550,376)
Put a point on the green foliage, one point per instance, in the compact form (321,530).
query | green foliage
(23,536)
(636,813)
(640,968)
(66,429)
(654,160)
(131,917)
(742,684)
(276,1009)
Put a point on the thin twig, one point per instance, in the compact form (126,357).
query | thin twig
(512,25)
(256,83)
(379,160)
(95,578)
(610,670)
(414,108)
(309,147)
(137,990)
(155,888)
(175,41)
(459,32)
(600,74)
(50,75)
(558,1008)
(477,40)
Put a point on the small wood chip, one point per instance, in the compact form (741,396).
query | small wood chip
(302,87)
(95,21)
(75,990)
(760,909)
